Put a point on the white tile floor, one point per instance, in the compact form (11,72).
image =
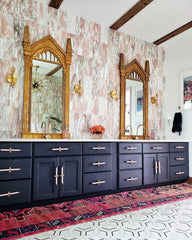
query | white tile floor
(171,221)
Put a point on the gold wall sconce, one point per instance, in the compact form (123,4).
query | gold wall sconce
(12,78)
(154,100)
(114,94)
(78,88)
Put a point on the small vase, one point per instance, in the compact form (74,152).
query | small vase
(97,135)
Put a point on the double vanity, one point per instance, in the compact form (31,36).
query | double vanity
(34,171)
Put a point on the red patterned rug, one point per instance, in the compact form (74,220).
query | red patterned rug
(24,222)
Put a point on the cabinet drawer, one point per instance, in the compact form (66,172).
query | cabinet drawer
(155,147)
(130,178)
(130,147)
(57,149)
(97,148)
(15,168)
(130,161)
(178,158)
(178,147)
(95,182)
(179,172)
(12,149)
(13,192)
(95,163)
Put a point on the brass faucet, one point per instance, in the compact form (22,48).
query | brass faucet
(140,125)
(129,126)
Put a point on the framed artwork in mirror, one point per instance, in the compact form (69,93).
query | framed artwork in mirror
(186,90)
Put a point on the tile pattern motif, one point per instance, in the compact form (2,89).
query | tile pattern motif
(95,61)
(171,221)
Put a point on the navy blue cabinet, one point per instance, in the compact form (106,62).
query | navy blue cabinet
(99,166)
(129,164)
(15,172)
(35,171)
(155,168)
(179,162)
(57,170)
(155,163)
(56,177)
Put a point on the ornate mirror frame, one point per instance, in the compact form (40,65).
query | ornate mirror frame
(34,51)
(142,75)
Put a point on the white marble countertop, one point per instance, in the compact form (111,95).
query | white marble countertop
(87,140)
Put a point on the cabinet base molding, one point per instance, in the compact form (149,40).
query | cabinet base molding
(189,180)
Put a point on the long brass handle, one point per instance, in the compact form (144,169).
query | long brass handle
(157,148)
(98,163)
(131,179)
(131,148)
(159,167)
(156,168)
(98,148)
(8,194)
(60,149)
(56,176)
(10,169)
(179,147)
(98,182)
(179,159)
(10,150)
(62,175)
(131,161)
(180,173)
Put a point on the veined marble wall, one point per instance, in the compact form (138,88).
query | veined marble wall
(95,61)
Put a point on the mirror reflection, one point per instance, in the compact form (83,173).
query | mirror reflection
(46,97)
(133,107)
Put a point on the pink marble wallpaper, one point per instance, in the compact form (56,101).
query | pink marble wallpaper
(95,61)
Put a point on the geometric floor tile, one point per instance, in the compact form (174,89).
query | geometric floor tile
(171,221)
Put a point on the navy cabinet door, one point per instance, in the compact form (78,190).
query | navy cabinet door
(70,181)
(45,178)
(163,167)
(149,171)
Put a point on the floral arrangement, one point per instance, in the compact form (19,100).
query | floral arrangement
(97,129)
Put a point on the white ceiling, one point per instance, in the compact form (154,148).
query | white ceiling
(159,18)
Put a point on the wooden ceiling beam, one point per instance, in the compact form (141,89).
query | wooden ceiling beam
(174,33)
(130,13)
(55,3)
(54,70)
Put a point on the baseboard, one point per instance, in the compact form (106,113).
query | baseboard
(189,180)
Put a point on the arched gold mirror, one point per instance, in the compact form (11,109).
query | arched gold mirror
(134,100)
(46,88)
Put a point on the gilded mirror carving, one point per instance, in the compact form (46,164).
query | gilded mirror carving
(46,88)
(134,100)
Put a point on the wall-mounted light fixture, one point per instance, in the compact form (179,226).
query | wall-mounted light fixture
(154,100)
(114,94)
(78,89)
(12,78)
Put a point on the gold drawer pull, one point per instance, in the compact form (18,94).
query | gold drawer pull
(98,148)
(131,161)
(179,159)
(179,147)
(131,148)
(98,182)
(10,150)
(180,173)
(62,175)
(10,169)
(8,194)
(131,179)
(56,176)
(98,163)
(60,149)
(157,148)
